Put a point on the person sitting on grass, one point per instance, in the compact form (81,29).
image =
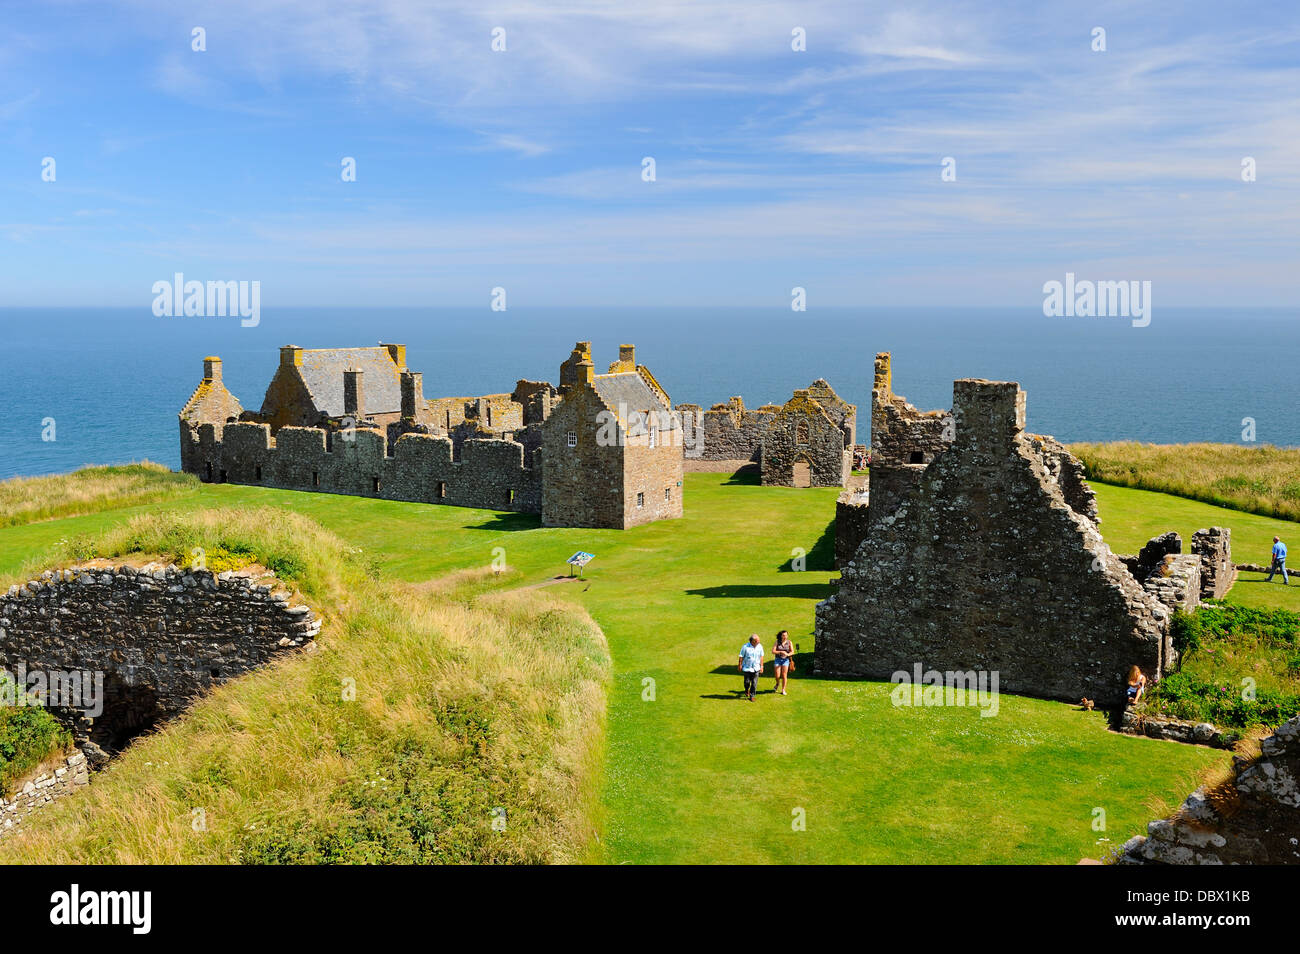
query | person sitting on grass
(1137,686)
(751,664)
(783,651)
(1278,562)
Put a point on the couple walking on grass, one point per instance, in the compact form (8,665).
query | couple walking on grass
(751,663)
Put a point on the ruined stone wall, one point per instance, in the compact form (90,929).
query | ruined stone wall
(728,432)
(1040,599)
(490,473)
(1252,818)
(904,441)
(803,446)
(1068,472)
(1176,582)
(159,635)
(491,412)
(41,789)
(1214,547)
(852,520)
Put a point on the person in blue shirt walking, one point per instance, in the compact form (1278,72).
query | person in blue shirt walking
(751,664)
(1279,561)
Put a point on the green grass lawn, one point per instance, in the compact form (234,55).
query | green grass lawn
(693,773)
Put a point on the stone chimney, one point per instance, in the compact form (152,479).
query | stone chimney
(884,376)
(987,413)
(354,398)
(212,369)
(290,356)
(398,354)
(412,394)
(626,360)
(571,372)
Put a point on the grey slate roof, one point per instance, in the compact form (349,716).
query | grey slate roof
(322,372)
(627,392)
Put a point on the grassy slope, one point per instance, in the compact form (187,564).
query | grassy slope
(696,775)
(459,709)
(89,490)
(1258,479)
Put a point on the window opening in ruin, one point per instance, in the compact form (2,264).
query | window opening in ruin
(489,410)
(918,457)
(801,432)
(259,473)
(442,489)
(315,478)
(640,500)
(223,476)
(510,496)
(375,483)
(668,493)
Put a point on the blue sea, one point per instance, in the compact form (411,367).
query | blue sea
(113,380)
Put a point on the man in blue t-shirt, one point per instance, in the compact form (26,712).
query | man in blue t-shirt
(1279,561)
(751,664)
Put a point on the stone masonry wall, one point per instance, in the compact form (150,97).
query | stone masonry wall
(490,473)
(727,432)
(1214,547)
(852,514)
(1040,599)
(1252,818)
(42,788)
(904,441)
(802,433)
(584,483)
(159,635)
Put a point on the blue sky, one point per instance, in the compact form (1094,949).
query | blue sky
(522,168)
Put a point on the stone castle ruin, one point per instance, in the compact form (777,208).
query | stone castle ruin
(601,450)
(976,546)
(806,442)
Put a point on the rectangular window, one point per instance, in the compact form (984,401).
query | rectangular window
(510,496)
(374,481)
(640,501)
(259,474)
(442,490)
(668,493)
(315,478)
(572,438)
(654,435)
